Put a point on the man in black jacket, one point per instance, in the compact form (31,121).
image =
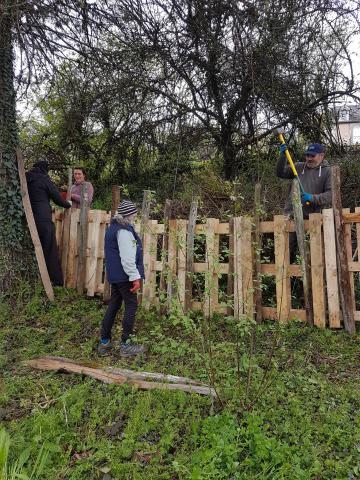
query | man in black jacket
(41,191)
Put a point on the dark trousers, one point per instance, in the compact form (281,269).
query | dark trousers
(120,292)
(46,231)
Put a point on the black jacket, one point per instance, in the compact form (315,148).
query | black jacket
(314,180)
(41,191)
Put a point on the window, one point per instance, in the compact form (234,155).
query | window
(356,134)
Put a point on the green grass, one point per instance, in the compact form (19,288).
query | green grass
(301,422)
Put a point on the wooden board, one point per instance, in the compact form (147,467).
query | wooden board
(348,246)
(238,268)
(317,269)
(331,269)
(72,248)
(44,274)
(211,276)
(190,254)
(181,271)
(282,260)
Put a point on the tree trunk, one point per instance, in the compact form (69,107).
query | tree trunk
(228,150)
(13,233)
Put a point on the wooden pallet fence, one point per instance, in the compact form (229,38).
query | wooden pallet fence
(239,268)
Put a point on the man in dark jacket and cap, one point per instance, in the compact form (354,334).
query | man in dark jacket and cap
(41,191)
(315,177)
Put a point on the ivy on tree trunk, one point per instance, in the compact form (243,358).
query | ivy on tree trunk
(13,233)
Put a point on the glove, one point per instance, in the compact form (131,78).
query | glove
(283,148)
(69,202)
(306,198)
(136,284)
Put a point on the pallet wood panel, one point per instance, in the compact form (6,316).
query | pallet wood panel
(282,260)
(317,269)
(331,268)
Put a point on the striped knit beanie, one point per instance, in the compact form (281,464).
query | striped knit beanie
(126,208)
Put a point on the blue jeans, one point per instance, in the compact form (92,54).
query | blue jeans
(120,292)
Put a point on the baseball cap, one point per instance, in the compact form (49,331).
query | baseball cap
(315,148)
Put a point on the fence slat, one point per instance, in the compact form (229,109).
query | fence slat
(331,268)
(282,260)
(211,276)
(181,254)
(317,269)
(149,253)
(238,268)
(190,254)
(247,268)
(72,248)
(348,246)
(92,259)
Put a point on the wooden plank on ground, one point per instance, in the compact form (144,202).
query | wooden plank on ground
(346,299)
(211,258)
(44,274)
(122,376)
(304,250)
(317,269)
(282,260)
(331,268)
(190,254)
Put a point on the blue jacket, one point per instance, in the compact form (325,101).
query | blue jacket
(114,268)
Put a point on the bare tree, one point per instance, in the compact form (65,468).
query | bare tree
(239,68)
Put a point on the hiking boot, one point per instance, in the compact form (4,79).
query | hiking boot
(104,347)
(130,349)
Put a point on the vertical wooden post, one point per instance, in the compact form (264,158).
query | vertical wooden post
(171,274)
(231,274)
(317,269)
(145,212)
(84,211)
(66,229)
(348,246)
(211,277)
(150,244)
(115,200)
(331,268)
(236,227)
(304,250)
(181,254)
(282,260)
(164,253)
(248,264)
(342,260)
(190,254)
(257,255)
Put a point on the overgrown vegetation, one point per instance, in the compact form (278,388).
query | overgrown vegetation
(297,417)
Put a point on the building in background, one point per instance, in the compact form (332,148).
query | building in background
(347,124)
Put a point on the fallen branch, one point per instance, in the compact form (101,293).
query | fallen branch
(121,376)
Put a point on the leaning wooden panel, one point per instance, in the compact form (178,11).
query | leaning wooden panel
(317,269)
(237,267)
(331,269)
(247,266)
(211,276)
(282,260)
(92,259)
(172,262)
